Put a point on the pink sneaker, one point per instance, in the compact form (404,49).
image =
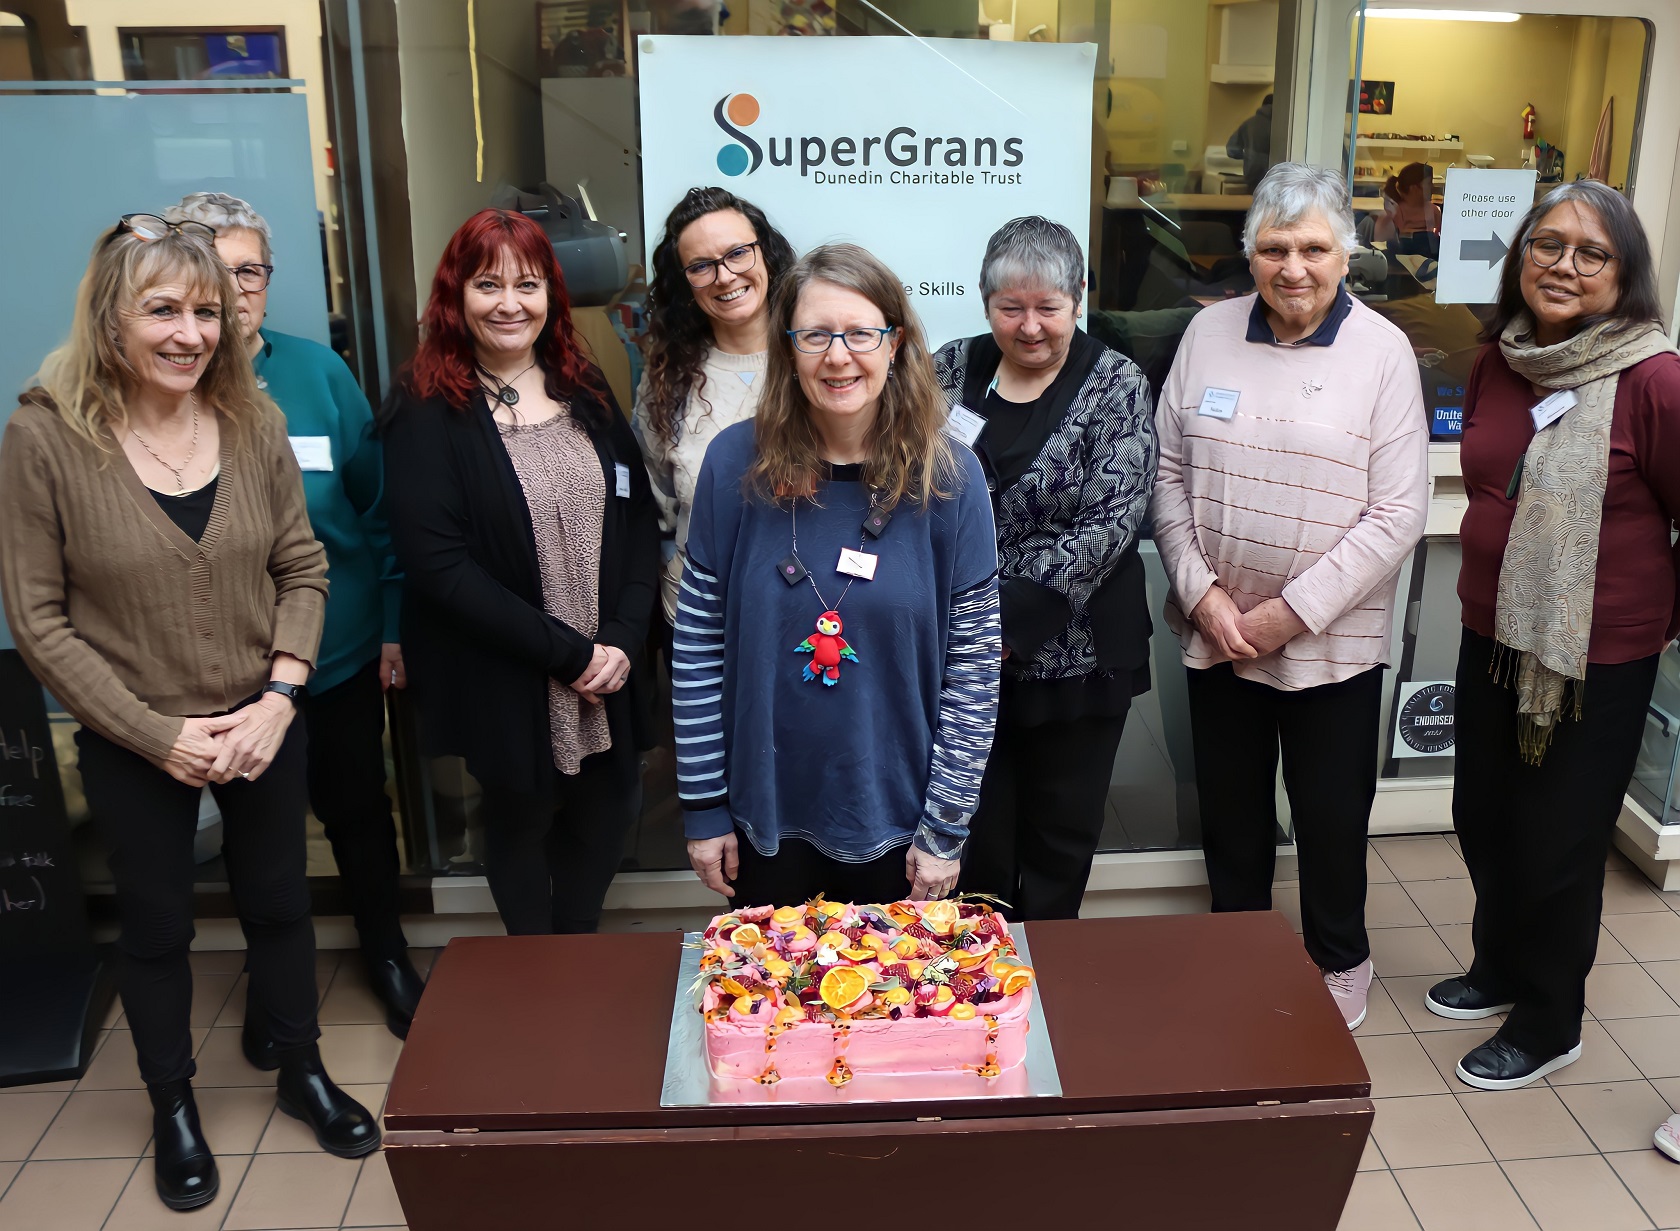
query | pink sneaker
(1351,989)
(1668,1137)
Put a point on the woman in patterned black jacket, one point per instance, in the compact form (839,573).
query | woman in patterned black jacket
(1064,428)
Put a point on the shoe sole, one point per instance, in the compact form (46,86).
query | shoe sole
(191,1203)
(1464,1015)
(1359,1021)
(335,1151)
(1666,1146)
(1517,1083)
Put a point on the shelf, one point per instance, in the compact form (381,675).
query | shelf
(1372,143)
(1242,74)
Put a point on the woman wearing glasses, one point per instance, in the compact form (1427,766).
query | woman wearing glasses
(528,541)
(331,429)
(161,580)
(708,307)
(1064,428)
(836,652)
(1568,588)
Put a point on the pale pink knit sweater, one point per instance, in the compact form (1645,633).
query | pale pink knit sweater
(1314,490)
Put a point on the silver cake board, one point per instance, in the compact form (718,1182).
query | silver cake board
(689,1081)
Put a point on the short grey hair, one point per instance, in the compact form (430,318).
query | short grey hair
(1292,192)
(1032,252)
(220,212)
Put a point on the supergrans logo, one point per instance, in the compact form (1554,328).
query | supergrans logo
(733,113)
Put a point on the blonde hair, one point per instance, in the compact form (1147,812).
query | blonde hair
(89,379)
(909,455)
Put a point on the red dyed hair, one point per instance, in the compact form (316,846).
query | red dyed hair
(444,366)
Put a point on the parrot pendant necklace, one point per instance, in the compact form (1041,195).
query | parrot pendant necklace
(827,648)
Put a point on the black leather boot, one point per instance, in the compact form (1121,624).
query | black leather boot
(254,1039)
(398,986)
(342,1125)
(186,1170)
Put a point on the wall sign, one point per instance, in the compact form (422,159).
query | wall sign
(1424,725)
(968,135)
(1480,212)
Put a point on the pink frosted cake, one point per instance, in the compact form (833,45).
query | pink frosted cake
(829,989)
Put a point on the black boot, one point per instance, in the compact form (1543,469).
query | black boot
(186,1170)
(254,1039)
(398,986)
(342,1125)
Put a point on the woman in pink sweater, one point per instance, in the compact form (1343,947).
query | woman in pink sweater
(1292,487)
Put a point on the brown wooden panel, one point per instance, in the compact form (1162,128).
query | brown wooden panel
(1286,1168)
(1181,1011)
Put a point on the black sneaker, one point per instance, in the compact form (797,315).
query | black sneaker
(1497,1065)
(1455,998)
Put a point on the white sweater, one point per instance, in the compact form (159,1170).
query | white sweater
(725,393)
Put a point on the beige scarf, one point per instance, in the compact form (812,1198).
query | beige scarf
(1543,618)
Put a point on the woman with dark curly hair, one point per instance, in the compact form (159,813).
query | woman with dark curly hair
(713,272)
(527,537)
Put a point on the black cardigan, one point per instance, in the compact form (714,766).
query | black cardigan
(477,644)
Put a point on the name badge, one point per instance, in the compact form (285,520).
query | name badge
(1218,403)
(312,452)
(1549,410)
(622,473)
(965,425)
(857,564)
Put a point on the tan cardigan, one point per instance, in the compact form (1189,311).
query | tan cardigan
(124,618)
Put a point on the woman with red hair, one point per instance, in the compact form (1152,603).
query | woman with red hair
(524,525)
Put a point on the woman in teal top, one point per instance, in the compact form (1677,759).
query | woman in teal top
(331,429)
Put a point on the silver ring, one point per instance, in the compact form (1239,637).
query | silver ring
(244,773)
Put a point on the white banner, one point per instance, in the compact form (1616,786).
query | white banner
(918,149)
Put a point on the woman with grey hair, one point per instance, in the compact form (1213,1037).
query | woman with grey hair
(1291,489)
(1064,430)
(331,429)
(1570,418)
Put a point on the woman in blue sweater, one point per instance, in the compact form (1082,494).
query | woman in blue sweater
(836,647)
(331,429)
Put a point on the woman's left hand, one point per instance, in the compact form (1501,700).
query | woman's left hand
(611,675)
(930,876)
(251,738)
(1269,625)
(392,673)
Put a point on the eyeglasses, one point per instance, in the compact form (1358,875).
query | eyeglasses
(858,341)
(1588,260)
(149,227)
(737,260)
(252,277)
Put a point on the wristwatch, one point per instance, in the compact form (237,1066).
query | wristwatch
(292,692)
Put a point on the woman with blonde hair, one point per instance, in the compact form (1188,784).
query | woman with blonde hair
(160,578)
(836,648)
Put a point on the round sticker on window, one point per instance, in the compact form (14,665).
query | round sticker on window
(1426,721)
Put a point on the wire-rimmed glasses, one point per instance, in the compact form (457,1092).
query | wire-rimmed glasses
(1587,258)
(736,260)
(858,341)
(150,226)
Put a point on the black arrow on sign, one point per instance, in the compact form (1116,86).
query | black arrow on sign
(1492,250)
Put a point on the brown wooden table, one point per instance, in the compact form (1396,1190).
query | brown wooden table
(1207,1082)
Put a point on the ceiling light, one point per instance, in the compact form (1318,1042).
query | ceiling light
(1443,14)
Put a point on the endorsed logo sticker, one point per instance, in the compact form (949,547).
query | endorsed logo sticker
(1424,726)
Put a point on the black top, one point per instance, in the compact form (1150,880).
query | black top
(479,647)
(191,512)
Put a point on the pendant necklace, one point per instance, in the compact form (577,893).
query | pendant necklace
(177,471)
(502,390)
(826,646)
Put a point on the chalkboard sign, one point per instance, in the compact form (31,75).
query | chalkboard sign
(48,965)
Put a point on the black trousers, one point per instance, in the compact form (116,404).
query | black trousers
(798,871)
(346,727)
(149,819)
(551,856)
(1042,804)
(1535,838)
(1328,736)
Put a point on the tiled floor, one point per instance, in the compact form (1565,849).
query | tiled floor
(1572,1154)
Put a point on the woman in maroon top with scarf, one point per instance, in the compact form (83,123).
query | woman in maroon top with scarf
(1571,457)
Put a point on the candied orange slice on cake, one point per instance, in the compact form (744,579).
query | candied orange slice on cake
(843,986)
(941,917)
(1014,979)
(748,936)
(786,917)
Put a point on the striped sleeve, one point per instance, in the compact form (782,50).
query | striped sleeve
(697,704)
(968,701)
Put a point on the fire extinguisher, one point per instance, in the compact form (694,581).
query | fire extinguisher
(1528,117)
